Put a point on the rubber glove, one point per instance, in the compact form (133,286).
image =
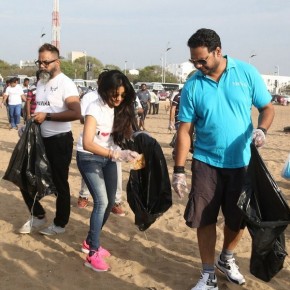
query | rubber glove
(258,137)
(124,155)
(179,184)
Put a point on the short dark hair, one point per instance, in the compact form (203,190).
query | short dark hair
(14,80)
(49,47)
(205,37)
(26,79)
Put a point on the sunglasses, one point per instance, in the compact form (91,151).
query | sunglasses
(45,62)
(202,62)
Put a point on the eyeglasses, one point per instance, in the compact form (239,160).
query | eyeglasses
(202,62)
(45,62)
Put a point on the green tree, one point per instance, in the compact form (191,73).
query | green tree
(154,74)
(151,73)
(111,67)
(81,63)
(68,69)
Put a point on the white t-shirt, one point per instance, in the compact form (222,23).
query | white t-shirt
(14,95)
(50,98)
(104,116)
(86,100)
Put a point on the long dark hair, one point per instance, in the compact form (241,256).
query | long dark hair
(125,120)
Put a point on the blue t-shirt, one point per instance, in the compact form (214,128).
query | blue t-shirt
(221,113)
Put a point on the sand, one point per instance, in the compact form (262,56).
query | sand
(164,257)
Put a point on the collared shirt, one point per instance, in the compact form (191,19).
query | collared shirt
(221,113)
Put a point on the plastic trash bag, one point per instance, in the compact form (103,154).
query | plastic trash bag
(267,215)
(149,192)
(286,169)
(29,168)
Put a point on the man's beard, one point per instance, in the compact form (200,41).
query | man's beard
(45,76)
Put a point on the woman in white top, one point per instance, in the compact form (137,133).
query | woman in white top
(108,121)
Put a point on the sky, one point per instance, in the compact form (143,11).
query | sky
(136,34)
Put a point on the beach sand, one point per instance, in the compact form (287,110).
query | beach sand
(166,256)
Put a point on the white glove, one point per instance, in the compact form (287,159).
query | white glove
(179,184)
(258,137)
(124,155)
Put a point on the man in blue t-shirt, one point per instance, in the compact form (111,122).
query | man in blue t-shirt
(217,101)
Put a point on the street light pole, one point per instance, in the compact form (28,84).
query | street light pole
(85,55)
(251,56)
(162,72)
(125,67)
(165,56)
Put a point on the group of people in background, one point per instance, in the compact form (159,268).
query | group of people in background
(215,103)
(19,100)
(14,98)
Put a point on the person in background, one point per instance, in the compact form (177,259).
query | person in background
(15,96)
(156,103)
(57,104)
(151,102)
(7,84)
(217,101)
(138,110)
(144,97)
(109,120)
(173,114)
(31,98)
(25,87)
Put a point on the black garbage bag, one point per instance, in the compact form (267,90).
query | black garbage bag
(267,215)
(29,168)
(149,192)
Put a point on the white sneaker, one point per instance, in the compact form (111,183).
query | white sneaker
(231,270)
(52,230)
(205,283)
(34,223)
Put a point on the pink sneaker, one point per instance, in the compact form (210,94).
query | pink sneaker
(102,252)
(96,263)
(85,247)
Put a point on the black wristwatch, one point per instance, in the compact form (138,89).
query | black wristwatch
(48,117)
(263,129)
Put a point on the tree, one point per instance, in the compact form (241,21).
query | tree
(81,62)
(68,69)
(154,74)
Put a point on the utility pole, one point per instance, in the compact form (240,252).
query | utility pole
(55,25)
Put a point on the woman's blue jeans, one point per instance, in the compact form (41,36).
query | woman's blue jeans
(100,176)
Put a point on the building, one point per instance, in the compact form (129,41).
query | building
(276,84)
(73,55)
(27,63)
(181,71)
(134,72)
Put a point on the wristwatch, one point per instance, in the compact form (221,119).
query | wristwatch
(48,117)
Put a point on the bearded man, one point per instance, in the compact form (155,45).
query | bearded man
(57,104)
